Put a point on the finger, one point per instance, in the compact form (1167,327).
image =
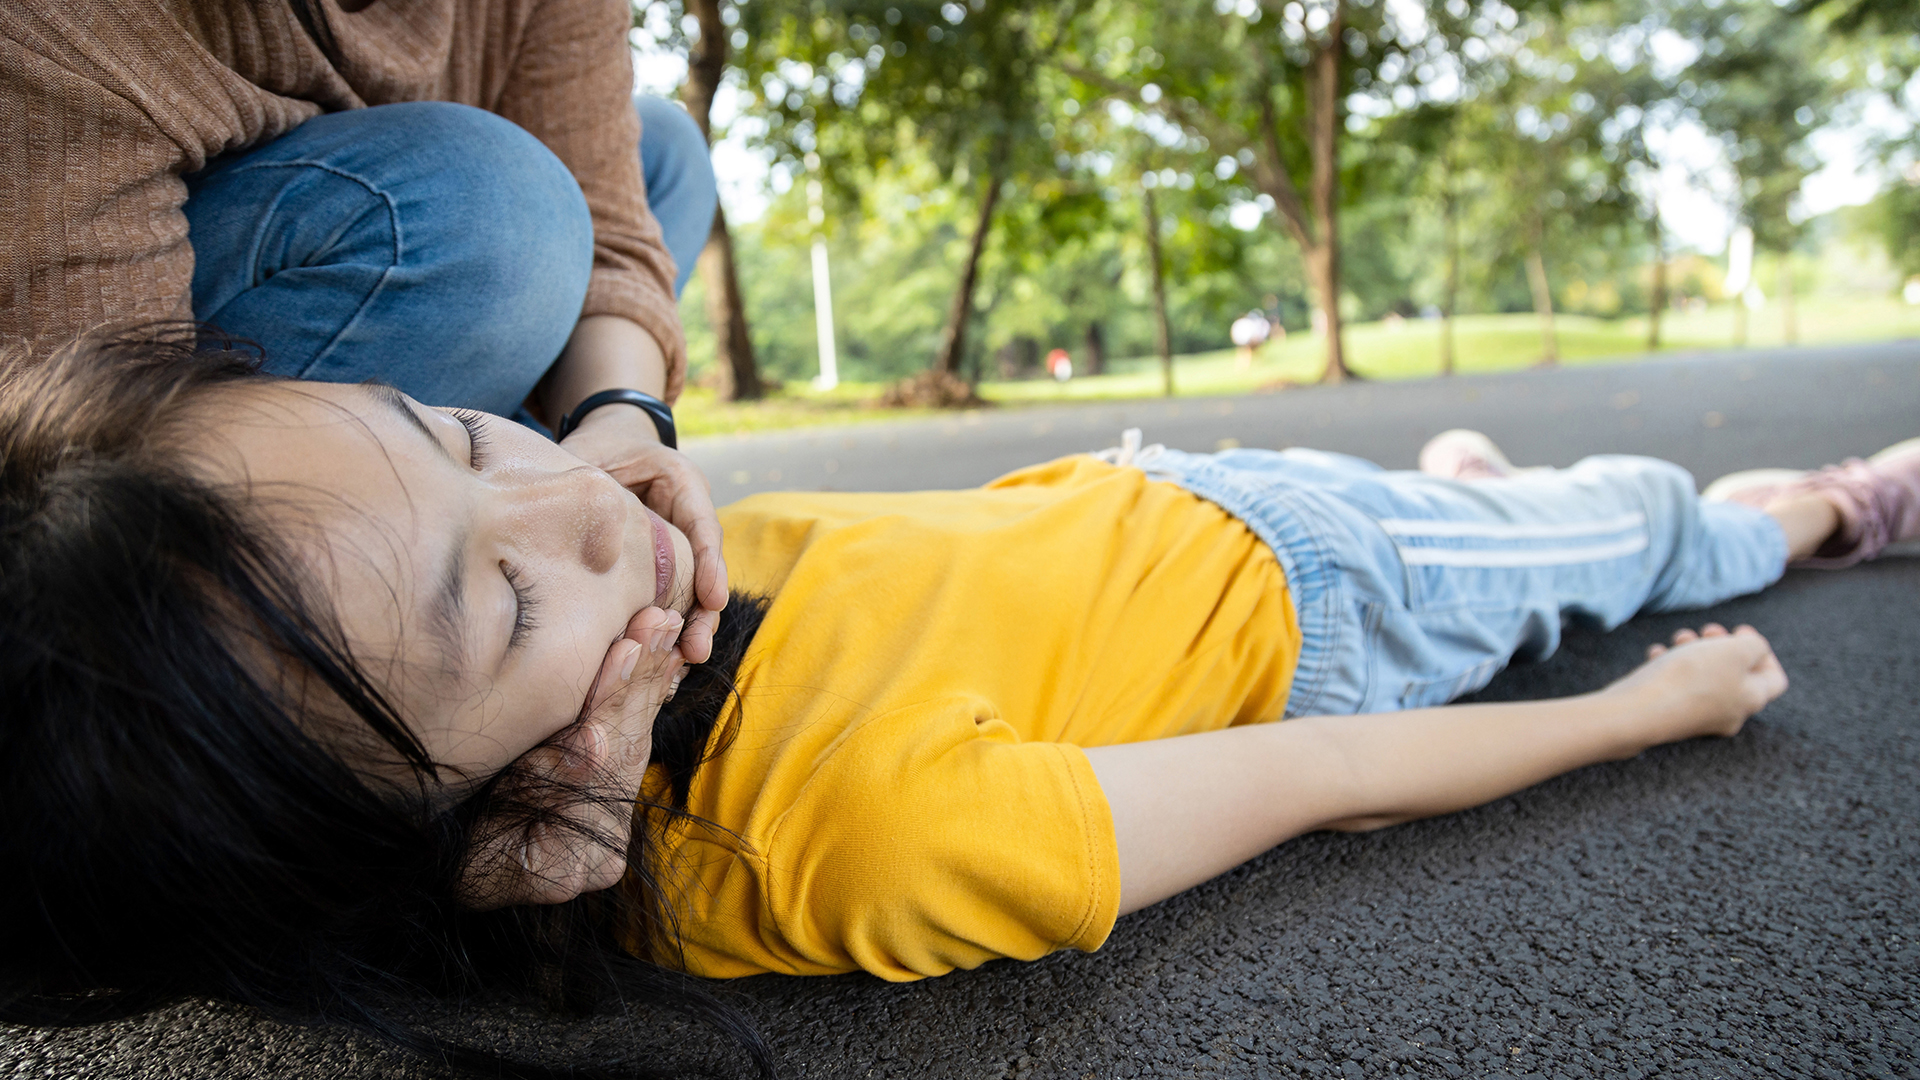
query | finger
(694,514)
(1776,676)
(696,641)
(616,669)
(1763,655)
(662,638)
(639,656)
(559,863)
(1656,651)
(1713,629)
(1684,635)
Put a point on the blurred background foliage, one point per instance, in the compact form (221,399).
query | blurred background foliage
(982,168)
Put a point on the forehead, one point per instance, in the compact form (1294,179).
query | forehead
(333,454)
(334,472)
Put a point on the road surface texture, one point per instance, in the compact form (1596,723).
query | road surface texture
(1738,908)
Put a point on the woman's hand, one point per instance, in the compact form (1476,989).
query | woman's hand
(564,814)
(608,351)
(622,440)
(1706,683)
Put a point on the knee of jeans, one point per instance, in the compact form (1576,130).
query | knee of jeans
(1661,484)
(500,204)
(670,140)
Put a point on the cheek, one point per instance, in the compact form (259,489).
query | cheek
(581,623)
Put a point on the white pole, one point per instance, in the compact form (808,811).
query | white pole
(823,318)
(1739,261)
(822,286)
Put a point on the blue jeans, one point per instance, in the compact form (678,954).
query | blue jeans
(437,247)
(1413,590)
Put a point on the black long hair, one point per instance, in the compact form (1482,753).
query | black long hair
(173,822)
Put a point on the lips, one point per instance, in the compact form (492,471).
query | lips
(662,558)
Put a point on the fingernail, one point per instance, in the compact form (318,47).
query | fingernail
(627,665)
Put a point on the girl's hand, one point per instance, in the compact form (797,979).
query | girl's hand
(1706,683)
(566,811)
(621,439)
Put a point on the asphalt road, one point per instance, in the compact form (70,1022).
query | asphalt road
(1727,908)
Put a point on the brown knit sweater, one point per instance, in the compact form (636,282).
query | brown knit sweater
(104,104)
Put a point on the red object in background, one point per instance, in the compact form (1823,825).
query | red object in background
(1060,365)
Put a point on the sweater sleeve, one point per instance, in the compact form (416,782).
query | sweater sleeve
(570,85)
(90,206)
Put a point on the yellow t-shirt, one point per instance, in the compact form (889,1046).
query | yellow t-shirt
(905,791)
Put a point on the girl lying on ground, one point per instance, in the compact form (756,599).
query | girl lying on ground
(320,697)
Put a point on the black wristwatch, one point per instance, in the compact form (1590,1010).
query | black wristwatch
(662,415)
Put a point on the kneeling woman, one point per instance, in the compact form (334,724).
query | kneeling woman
(321,696)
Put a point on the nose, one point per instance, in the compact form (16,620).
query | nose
(579,512)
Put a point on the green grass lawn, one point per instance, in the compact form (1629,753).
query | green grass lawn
(1409,350)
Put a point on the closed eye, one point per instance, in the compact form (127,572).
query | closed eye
(523,599)
(476,434)
(523,607)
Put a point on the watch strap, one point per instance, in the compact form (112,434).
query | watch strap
(659,411)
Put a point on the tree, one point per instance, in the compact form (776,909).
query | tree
(1763,93)
(861,82)
(1278,112)
(1631,100)
(726,308)
(1157,268)
(1264,87)
(1883,38)
(1430,165)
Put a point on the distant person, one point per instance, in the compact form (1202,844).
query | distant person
(457,197)
(1060,365)
(1249,333)
(317,693)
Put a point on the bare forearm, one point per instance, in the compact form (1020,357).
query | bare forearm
(1189,808)
(605,352)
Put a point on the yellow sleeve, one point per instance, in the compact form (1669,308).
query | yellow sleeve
(930,839)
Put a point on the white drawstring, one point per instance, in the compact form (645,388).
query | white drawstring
(1130,452)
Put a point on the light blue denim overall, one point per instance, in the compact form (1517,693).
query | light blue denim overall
(1413,590)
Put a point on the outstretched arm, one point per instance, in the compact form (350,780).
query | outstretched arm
(1186,809)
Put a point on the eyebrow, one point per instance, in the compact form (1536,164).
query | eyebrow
(397,401)
(447,609)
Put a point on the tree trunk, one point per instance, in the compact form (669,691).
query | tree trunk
(1542,295)
(1323,261)
(1789,319)
(1658,304)
(706,63)
(1096,348)
(953,339)
(1323,276)
(727,312)
(726,308)
(1452,296)
(1164,338)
